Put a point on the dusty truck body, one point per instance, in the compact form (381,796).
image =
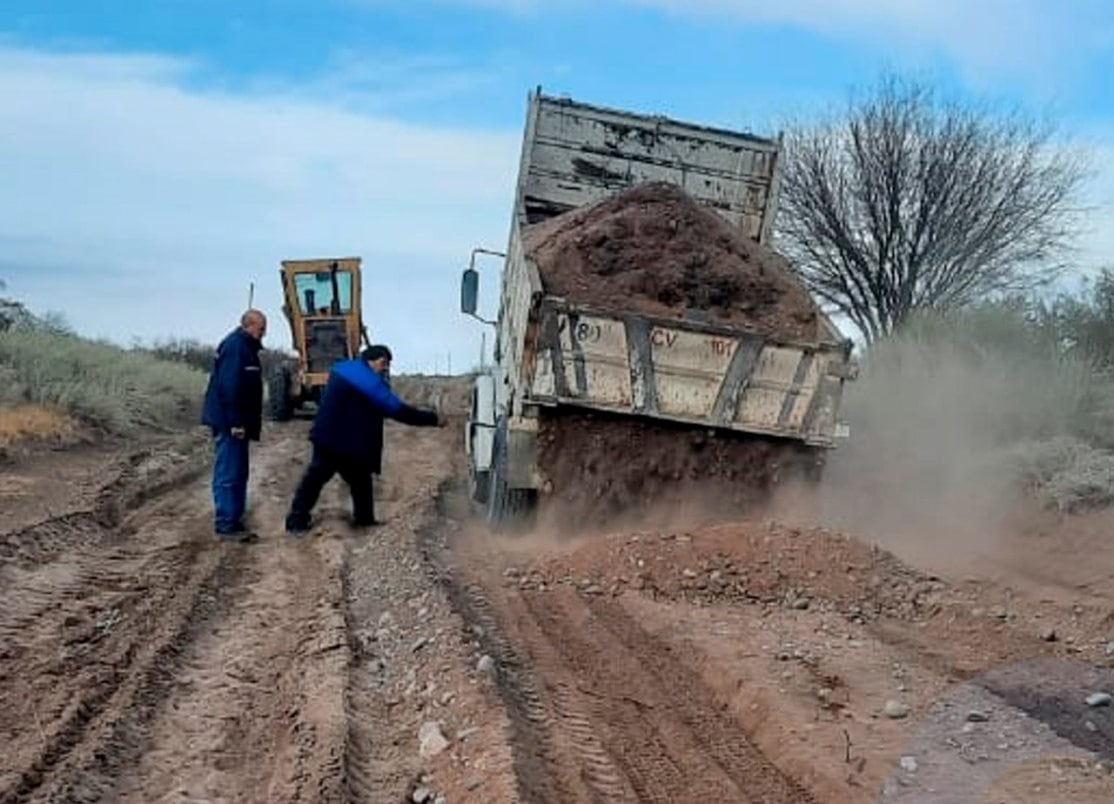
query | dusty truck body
(550,353)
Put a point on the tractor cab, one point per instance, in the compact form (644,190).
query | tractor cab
(321,302)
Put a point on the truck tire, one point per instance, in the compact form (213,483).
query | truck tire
(507,508)
(280,397)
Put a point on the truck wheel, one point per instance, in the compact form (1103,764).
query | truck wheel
(506,507)
(280,394)
(497,491)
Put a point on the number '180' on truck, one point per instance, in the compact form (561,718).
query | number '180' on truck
(581,343)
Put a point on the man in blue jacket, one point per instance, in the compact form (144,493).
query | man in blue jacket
(234,412)
(347,435)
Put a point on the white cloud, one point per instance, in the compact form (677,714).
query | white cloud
(141,206)
(1000,36)
(1029,38)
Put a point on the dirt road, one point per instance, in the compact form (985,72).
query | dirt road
(141,661)
(428,660)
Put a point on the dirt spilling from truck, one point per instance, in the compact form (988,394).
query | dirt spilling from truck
(603,470)
(656,251)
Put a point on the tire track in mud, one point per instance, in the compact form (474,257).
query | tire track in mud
(602,711)
(537,757)
(661,764)
(256,708)
(359,781)
(107,632)
(664,728)
(699,711)
(107,680)
(543,766)
(139,477)
(142,661)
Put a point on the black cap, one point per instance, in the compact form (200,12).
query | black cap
(377,352)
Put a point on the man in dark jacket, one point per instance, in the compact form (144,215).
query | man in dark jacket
(347,435)
(234,412)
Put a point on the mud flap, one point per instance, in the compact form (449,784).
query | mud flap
(522,454)
(508,505)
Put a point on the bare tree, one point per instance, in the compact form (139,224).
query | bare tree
(908,202)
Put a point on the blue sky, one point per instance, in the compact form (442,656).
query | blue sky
(157,156)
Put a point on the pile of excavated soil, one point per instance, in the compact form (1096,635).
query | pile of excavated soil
(656,251)
(750,562)
(605,469)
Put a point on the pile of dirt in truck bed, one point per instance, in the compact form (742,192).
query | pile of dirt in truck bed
(602,470)
(656,251)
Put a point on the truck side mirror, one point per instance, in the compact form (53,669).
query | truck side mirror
(469,291)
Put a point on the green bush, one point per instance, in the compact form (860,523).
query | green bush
(108,387)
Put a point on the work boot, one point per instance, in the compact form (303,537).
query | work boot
(238,537)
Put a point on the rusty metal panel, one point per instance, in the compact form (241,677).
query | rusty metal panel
(798,398)
(577,154)
(764,397)
(555,175)
(600,362)
(586,357)
(689,369)
(686,372)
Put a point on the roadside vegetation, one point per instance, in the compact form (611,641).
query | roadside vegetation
(938,224)
(52,382)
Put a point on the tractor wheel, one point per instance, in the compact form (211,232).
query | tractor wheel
(280,394)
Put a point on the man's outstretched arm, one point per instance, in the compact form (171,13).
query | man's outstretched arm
(372,386)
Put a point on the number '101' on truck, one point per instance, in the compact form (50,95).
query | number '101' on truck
(637,283)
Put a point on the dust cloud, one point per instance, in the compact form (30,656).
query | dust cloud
(938,417)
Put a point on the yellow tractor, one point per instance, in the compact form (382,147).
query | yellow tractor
(321,300)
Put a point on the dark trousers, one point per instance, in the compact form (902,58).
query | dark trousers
(230,482)
(324,464)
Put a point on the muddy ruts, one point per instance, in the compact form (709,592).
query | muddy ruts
(541,723)
(100,727)
(601,710)
(534,759)
(360,724)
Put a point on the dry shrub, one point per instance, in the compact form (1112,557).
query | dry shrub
(109,388)
(33,423)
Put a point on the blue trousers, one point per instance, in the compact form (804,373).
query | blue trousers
(230,482)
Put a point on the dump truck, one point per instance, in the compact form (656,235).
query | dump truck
(321,302)
(552,353)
